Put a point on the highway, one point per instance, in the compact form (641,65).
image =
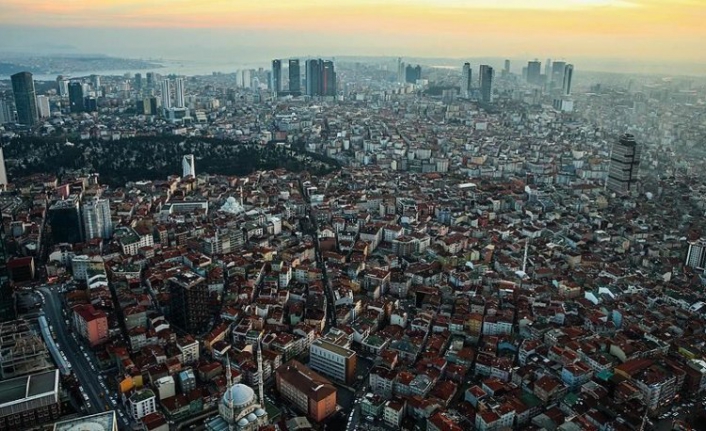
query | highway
(80,365)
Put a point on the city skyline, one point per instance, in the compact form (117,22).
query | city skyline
(640,30)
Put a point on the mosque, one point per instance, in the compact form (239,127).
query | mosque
(238,409)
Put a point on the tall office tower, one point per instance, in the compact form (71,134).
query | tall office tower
(548,68)
(150,79)
(624,165)
(43,106)
(696,256)
(412,74)
(568,76)
(179,93)
(3,172)
(25,98)
(466,76)
(65,220)
(6,115)
(138,81)
(276,84)
(76,102)
(245,78)
(295,78)
(557,77)
(328,78)
(506,70)
(486,83)
(400,70)
(534,72)
(166,95)
(313,77)
(95,81)
(188,167)
(189,304)
(96,219)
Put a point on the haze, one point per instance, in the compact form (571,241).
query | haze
(628,30)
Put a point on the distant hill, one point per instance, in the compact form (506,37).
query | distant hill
(153,158)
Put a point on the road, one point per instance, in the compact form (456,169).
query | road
(312,229)
(80,365)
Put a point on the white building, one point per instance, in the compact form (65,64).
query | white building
(142,403)
(696,256)
(187,166)
(166,95)
(332,360)
(43,106)
(96,219)
(3,172)
(179,93)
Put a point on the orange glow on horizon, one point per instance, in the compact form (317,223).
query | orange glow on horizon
(644,28)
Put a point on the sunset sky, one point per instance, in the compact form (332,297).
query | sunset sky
(652,30)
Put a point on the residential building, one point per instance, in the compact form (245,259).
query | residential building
(141,403)
(189,304)
(307,390)
(90,323)
(332,360)
(97,221)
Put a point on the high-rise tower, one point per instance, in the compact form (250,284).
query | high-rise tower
(328,78)
(534,72)
(3,172)
(76,102)
(25,98)
(96,219)
(313,77)
(276,86)
(466,77)
(166,95)
(295,77)
(568,76)
(557,77)
(179,93)
(187,166)
(486,83)
(624,165)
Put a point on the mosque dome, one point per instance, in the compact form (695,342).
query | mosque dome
(251,417)
(243,422)
(240,395)
(260,413)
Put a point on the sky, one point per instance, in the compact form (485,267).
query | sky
(630,30)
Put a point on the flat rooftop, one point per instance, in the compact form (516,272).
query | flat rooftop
(19,389)
(104,421)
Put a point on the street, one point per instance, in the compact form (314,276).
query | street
(87,377)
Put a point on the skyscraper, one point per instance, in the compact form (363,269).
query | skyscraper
(313,77)
(534,72)
(413,73)
(328,78)
(3,172)
(486,83)
(25,98)
(6,114)
(138,81)
(65,220)
(295,77)
(506,70)
(96,219)
(76,103)
(466,76)
(188,167)
(43,106)
(548,68)
(557,77)
(568,76)
(276,85)
(179,93)
(189,301)
(166,95)
(400,71)
(150,79)
(624,165)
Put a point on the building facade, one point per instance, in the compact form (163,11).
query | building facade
(25,98)
(624,165)
(333,360)
(307,390)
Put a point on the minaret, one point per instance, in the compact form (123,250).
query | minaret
(241,195)
(261,380)
(229,381)
(524,259)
